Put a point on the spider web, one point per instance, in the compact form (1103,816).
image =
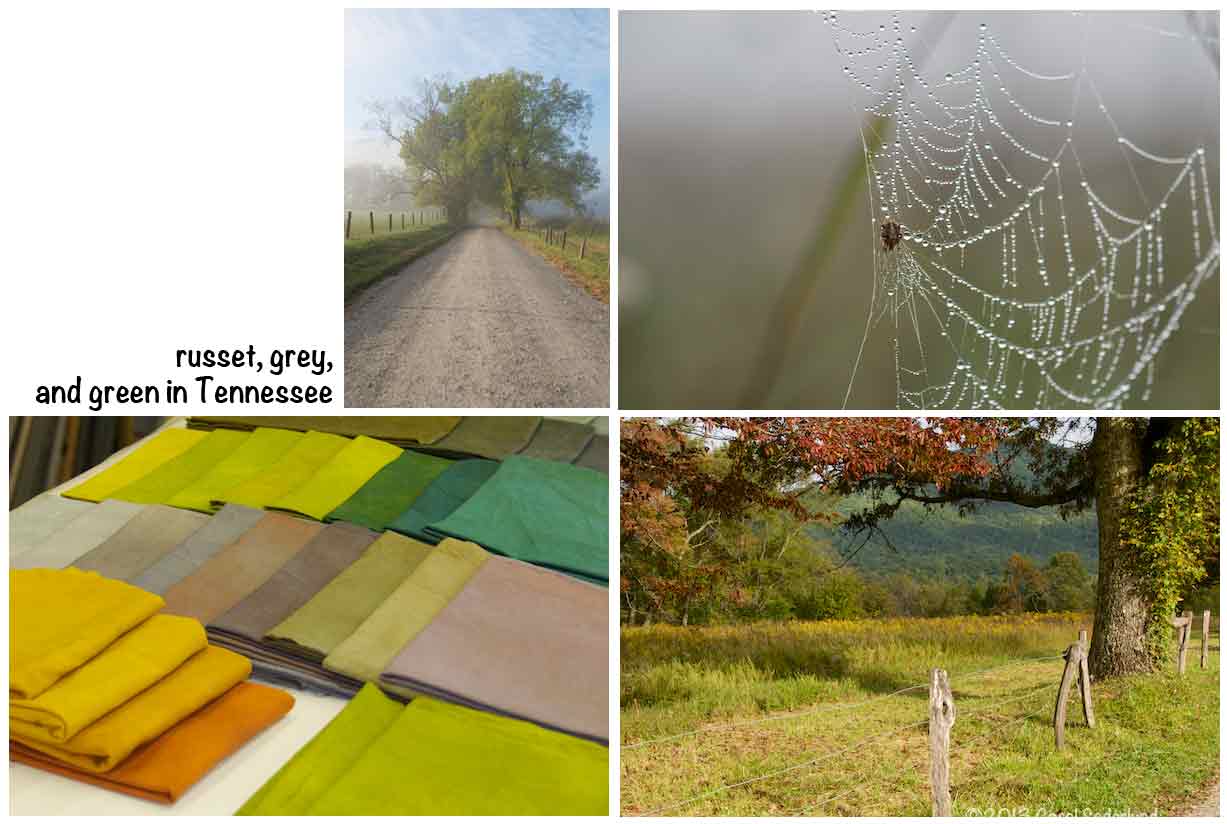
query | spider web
(1020,281)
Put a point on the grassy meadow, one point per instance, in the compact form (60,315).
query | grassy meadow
(835,714)
(371,257)
(590,273)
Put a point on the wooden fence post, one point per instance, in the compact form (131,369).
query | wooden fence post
(583,247)
(564,240)
(372,216)
(1184,641)
(941,719)
(1084,680)
(1205,637)
(349,216)
(1073,659)
(402,221)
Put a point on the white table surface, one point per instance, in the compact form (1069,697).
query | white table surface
(221,792)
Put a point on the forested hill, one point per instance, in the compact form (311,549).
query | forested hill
(940,542)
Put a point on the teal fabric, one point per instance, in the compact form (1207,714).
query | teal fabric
(452,488)
(546,513)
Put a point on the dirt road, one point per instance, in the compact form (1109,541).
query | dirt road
(478,322)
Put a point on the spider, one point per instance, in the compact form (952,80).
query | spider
(892,233)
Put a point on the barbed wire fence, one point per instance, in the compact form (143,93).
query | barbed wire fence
(940,723)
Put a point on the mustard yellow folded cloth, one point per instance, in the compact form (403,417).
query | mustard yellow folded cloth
(147,457)
(107,742)
(61,618)
(294,468)
(341,477)
(261,450)
(135,662)
(160,485)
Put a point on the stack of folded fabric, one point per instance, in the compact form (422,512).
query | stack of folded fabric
(104,689)
(379,757)
(404,431)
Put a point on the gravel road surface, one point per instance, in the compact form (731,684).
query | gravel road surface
(479,321)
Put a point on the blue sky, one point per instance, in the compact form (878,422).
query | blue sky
(387,51)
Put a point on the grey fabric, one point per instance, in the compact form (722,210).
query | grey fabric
(595,454)
(223,528)
(79,536)
(141,542)
(37,518)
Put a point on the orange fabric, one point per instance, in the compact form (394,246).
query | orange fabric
(167,767)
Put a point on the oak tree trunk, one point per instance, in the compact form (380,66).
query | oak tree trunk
(1118,646)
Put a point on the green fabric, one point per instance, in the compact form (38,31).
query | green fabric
(452,488)
(146,457)
(558,441)
(342,476)
(391,491)
(489,436)
(546,513)
(378,757)
(294,468)
(402,430)
(160,485)
(309,774)
(407,611)
(316,628)
(262,449)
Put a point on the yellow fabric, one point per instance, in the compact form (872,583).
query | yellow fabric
(132,664)
(61,618)
(294,468)
(104,744)
(340,478)
(147,457)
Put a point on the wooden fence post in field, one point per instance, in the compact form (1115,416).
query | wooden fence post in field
(402,221)
(1205,637)
(389,223)
(941,719)
(1074,657)
(583,247)
(1184,641)
(1084,681)
(564,240)
(372,215)
(349,216)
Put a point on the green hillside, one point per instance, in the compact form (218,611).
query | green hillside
(939,542)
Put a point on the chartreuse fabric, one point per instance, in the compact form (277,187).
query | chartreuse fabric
(489,436)
(136,661)
(402,430)
(316,628)
(61,618)
(261,449)
(293,469)
(407,611)
(148,456)
(103,745)
(166,767)
(543,512)
(339,478)
(391,491)
(378,757)
(160,485)
(449,490)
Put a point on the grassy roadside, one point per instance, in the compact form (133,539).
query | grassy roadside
(591,274)
(368,259)
(1154,748)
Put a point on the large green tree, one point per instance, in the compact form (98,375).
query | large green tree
(533,133)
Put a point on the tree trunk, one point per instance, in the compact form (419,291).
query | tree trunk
(1118,646)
